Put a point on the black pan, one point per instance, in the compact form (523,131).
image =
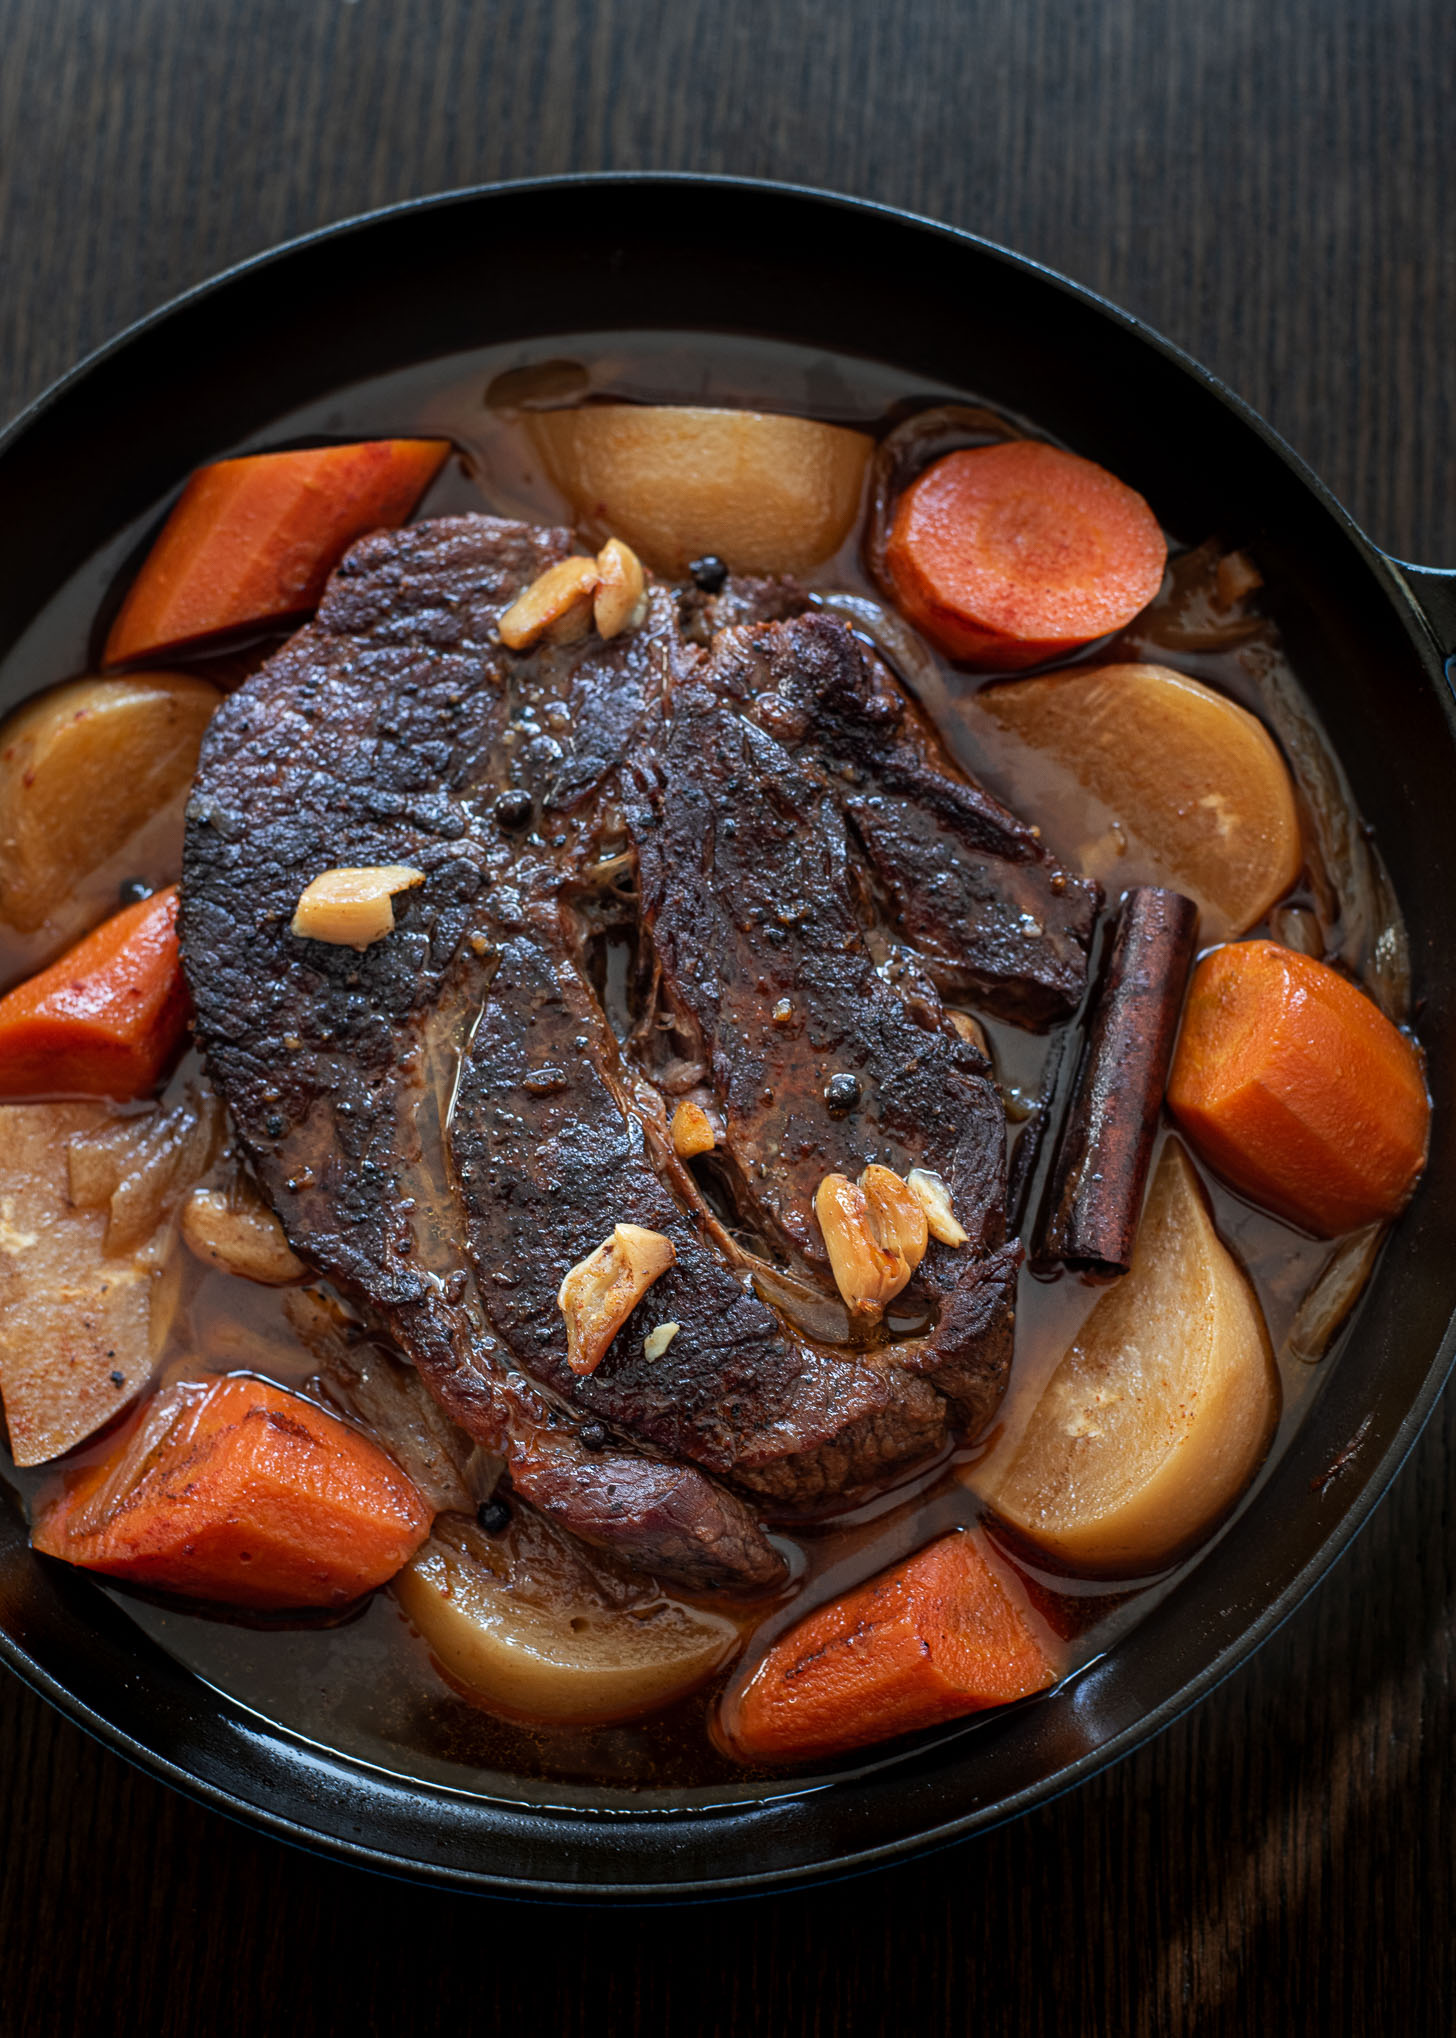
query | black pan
(1368,635)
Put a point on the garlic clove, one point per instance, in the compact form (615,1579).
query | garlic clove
(620,600)
(601,1291)
(866,1274)
(934,1198)
(557,605)
(353,907)
(692,1131)
(897,1216)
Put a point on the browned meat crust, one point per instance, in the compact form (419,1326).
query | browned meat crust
(558,1150)
(446,1122)
(968,883)
(752,899)
(378,734)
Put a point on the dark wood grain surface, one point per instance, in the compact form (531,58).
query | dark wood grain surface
(1270,182)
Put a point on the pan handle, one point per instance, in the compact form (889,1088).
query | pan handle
(1432,590)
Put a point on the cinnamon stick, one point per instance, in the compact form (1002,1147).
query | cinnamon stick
(1090,1216)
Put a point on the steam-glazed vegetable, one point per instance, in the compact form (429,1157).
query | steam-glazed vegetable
(524,1621)
(767,494)
(233,1490)
(91,773)
(936,1637)
(1161,1411)
(78,1325)
(1149,777)
(1294,1085)
(106,1019)
(1009,555)
(252,541)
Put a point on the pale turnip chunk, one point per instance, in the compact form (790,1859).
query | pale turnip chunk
(76,1327)
(765,493)
(1154,779)
(1162,1409)
(93,779)
(526,1624)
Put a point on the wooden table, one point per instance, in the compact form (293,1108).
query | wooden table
(1270,182)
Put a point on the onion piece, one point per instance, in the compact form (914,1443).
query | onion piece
(141,1167)
(1333,1294)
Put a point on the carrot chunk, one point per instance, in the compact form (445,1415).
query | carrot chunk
(1008,555)
(252,541)
(931,1639)
(1296,1087)
(106,1019)
(232,1490)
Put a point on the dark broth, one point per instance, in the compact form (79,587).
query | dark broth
(366,1686)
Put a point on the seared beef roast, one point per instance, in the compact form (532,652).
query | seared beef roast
(730,830)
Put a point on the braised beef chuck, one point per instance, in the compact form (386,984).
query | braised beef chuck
(382,733)
(557,1151)
(753,900)
(968,884)
(446,1121)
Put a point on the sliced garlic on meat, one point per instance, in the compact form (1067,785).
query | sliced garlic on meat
(601,1291)
(692,1131)
(866,1273)
(897,1216)
(876,1231)
(934,1198)
(620,601)
(353,907)
(657,1341)
(971,1030)
(558,604)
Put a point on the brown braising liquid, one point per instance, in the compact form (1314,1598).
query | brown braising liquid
(366,1686)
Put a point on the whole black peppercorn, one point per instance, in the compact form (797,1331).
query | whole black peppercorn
(274,1126)
(592,1435)
(492,1516)
(134,889)
(513,810)
(118,1379)
(842,1093)
(709,572)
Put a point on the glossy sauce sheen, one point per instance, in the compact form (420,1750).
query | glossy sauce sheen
(366,1686)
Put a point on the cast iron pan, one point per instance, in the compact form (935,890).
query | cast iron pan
(477,267)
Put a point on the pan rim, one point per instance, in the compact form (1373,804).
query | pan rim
(1374,1481)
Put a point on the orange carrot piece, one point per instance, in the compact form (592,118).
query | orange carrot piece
(232,1490)
(252,541)
(1296,1087)
(106,1019)
(931,1639)
(1007,555)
